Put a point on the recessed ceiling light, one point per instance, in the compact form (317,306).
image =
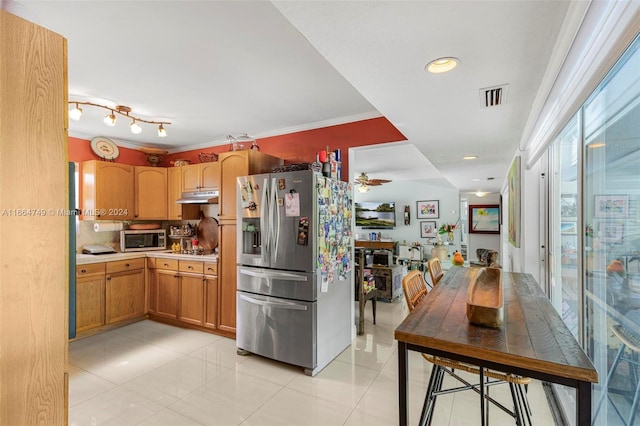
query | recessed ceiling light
(480,194)
(596,145)
(475,180)
(441,65)
(470,157)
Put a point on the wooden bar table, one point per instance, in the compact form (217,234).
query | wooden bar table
(533,341)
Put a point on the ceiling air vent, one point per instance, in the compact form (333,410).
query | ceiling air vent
(493,96)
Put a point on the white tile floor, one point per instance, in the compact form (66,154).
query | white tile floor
(153,374)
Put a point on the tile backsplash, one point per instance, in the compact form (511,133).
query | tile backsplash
(86,235)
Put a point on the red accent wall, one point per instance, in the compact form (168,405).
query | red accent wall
(80,150)
(297,147)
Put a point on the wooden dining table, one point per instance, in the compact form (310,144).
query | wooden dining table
(532,341)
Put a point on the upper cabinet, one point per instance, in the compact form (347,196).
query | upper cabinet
(201,177)
(107,191)
(150,190)
(174,190)
(239,163)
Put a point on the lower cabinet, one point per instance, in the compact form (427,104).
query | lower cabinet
(124,295)
(108,293)
(184,291)
(90,280)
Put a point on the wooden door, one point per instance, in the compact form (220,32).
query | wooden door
(227,283)
(114,191)
(177,211)
(150,189)
(190,178)
(209,176)
(211,305)
(33,165)
(124,295)
(167,293)
(90,302)
(232,165)
(192,299)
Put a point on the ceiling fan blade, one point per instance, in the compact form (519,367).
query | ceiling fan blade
(377,182)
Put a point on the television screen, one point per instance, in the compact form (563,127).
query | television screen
(374,215)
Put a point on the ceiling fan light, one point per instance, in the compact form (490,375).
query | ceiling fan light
(440,65)
(363,188)
(75,113)
(162,133)
(135,128)
(110,119)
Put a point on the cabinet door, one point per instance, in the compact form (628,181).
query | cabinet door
(89,302)
(150,191)
(177,211)
(114,191)
(211,304)
(232,165)
(209,176)
(167,286)
(227,283)
(190,177)
(124,295)
(192,299)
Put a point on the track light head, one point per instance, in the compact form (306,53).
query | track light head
(135,128)
(162,133)
(110,119)
(75,113)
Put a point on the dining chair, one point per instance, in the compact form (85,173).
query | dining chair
(435,270)
(629,350)
(415,289)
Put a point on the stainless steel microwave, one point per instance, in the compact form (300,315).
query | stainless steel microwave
(143,240)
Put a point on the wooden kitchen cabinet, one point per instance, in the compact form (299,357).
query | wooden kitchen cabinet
(239,163)
(201,177)
(211,295)
(90,294)
(192,299)
(125,295)
(167,293)
(227,279)
(177,211)
(107,191)
(150,193)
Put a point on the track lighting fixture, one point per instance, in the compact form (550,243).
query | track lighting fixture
(110,119)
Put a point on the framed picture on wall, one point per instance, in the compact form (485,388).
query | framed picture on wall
(611,206)
(484,219)
(428,229)
(428,209)
(610,232)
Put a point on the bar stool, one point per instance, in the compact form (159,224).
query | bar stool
(633,343)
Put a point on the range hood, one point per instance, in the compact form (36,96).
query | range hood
(199,197)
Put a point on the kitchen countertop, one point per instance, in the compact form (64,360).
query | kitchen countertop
(83,259)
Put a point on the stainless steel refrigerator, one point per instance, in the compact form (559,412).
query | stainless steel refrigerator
(295,267)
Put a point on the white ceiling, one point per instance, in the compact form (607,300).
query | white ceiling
(214,68)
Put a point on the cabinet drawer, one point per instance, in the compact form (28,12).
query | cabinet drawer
(90,269)
(125,265)
(191,266)
(170,264)
(211,268)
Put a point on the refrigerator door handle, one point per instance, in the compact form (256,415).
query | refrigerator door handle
(284,276)
(281,305)
(275,220)
(264,221)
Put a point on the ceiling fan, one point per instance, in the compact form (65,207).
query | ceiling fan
(365,182)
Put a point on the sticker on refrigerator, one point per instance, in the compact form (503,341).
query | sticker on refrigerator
(292,204)
(246,193)
(303,231)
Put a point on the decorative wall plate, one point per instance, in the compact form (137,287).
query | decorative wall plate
(104,148)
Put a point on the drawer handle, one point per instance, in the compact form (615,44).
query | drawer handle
(165,264)
(126,265)
(209,269)
(189,267)
(84,271)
